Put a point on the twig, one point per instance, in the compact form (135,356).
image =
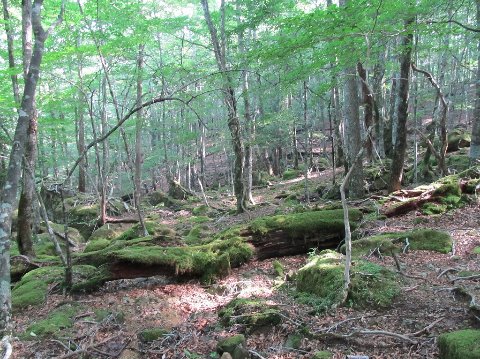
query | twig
(61,343)
(475,276)
(427,328)
(447,271)
(84,350)
(255,353)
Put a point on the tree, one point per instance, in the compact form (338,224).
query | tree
(219,49)
(9,194)
(475,145)
(400,147)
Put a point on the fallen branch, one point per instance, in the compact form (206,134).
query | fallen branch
(448,270)
(85,350)
(427,328)
(475,276)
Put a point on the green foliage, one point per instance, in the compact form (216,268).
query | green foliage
(461,344)
(154,229)
(278,268)
(291,174)
(322,355)
(476,250)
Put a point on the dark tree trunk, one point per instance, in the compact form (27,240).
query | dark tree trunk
(398,158)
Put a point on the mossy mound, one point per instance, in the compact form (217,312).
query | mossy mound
(461,344)
(418,239)
(56,322)
(252,313)
(201,210)
(151,334)
(159,198)
(322,277)
(329,191)
(158,231)
(291,174)
(33,287)
(83,217)
(72,233)
(96,245)
(108,231)
(458,138)
(229,344)
(299,225)
(458,162)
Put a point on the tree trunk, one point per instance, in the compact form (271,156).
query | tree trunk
(10,49)
(475,144)
(398,158)
(9,194)
(138,141)
(231,104)
(352,134)
(368,101)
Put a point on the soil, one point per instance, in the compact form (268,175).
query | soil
(426,307)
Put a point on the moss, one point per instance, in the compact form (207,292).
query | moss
(291,174)
(476,250)
(253,313)
(107,231)
(430,208)
(152,334)
(294,341)
(156,230)
(32,288)
(458,162)
(194,235)
(56,322)
(199,219)
(73,233)
(299,225)
(322,355)
(96,245)
(461,344)
(322,276)
(229,344)
(278,268)
(418,239)
(200,210)
(28,294)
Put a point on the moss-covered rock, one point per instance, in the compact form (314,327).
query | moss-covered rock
(252,313)
(152,334)
(72,233)
(461,344)
(458,138)
(322,276)
(56,322)
(96,245)
(418,239)
(109,231)
(278,268)
(158,198)
(476,250)
(458,162)
(322,355)
(228,345)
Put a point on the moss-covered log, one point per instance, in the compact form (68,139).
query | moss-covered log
(446,193)
(297,233)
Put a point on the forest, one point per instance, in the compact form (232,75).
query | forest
(240,179)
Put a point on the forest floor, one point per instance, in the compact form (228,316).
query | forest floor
(426,307)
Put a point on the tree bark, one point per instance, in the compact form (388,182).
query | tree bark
(231,104)
(368,101)
(10,49)
(398,158)
(475,144)
(9,193)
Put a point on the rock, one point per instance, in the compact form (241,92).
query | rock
(229,344)
(252,313)
(240,352)
(151,334)
(226,355)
